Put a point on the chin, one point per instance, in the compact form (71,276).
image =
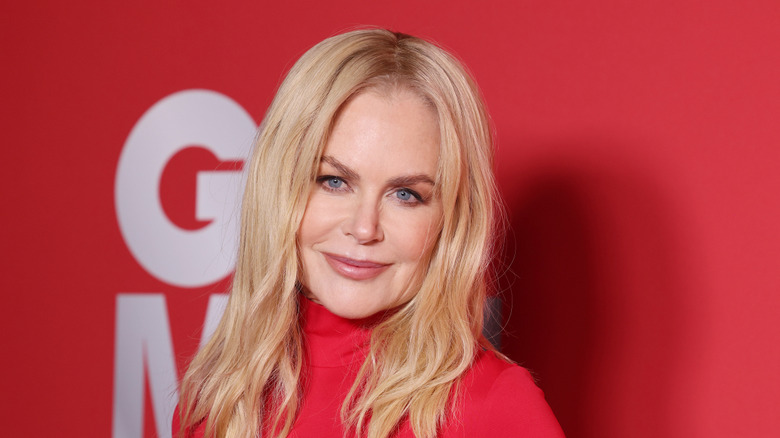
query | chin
(353,305)
(349,310)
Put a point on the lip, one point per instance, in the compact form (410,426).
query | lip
(355,269)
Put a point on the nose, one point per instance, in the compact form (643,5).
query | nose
(364,223)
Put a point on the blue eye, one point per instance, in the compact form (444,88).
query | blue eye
(332,183)
(404,195)
(408,196)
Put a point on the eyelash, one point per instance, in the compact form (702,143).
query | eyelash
(417,198)
(324,179)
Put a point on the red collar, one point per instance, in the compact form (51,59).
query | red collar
(330,340)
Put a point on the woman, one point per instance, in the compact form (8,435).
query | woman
(356,307)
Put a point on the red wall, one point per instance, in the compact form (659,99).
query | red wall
(638,151)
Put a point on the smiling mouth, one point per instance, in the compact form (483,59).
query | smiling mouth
(355,269)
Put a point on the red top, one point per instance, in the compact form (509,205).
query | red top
(497,399)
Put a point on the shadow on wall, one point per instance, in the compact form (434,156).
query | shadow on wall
(592,302)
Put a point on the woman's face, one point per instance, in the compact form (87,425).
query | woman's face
(372,218)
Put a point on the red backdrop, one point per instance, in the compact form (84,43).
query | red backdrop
(638,153)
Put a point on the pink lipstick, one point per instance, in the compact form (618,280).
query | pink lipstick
(355,269)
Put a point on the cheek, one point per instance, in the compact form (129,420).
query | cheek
(421,236)
(314,223)
(307,229)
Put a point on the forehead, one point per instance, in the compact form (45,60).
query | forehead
(390,129)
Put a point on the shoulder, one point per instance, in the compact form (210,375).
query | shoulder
(501,399)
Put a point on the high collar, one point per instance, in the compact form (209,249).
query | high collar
(332,341)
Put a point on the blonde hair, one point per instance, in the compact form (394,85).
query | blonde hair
(419,352)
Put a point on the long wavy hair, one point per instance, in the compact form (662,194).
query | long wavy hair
(250,371)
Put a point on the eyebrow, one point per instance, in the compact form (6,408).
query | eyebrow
(411,180)
(341,167)
(403,180)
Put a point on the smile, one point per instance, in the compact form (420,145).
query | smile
(355,269)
